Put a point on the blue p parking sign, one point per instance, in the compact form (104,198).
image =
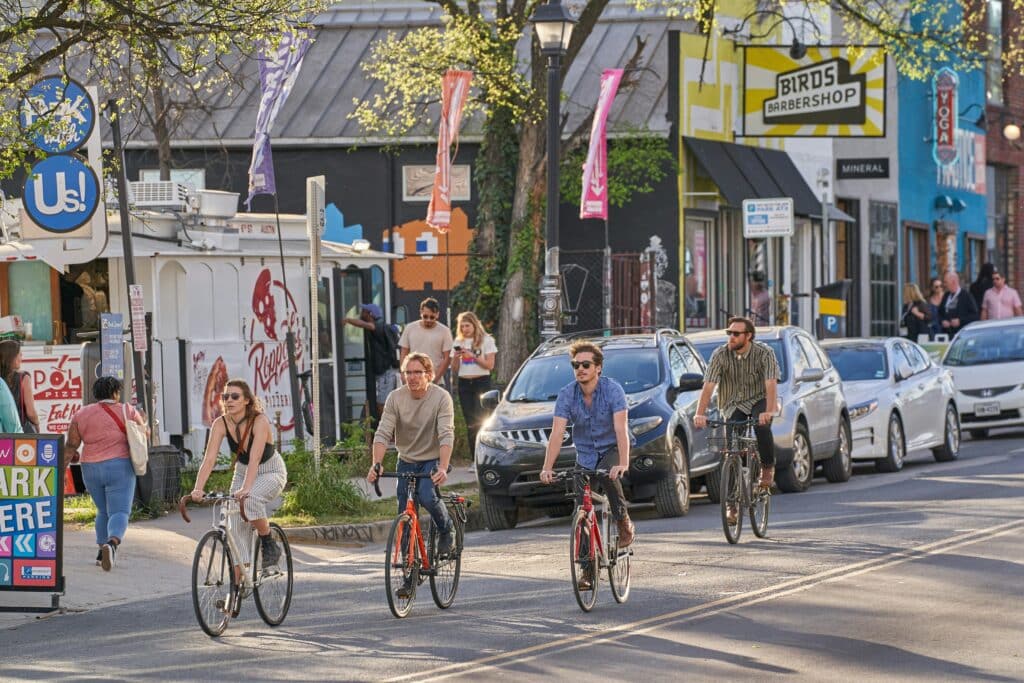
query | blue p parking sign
(62,113)
(62,193)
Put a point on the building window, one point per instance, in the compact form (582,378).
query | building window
(882,268)
(916,259)
(994,59)
(974,255)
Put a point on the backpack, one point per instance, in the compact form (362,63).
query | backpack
(391,343)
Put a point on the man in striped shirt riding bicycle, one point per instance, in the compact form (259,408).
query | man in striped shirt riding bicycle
(747,375)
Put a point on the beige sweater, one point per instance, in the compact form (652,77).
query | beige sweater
(419,427)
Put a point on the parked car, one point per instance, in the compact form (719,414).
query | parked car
(812,425)
(987,362)
(898,399)
(662,375)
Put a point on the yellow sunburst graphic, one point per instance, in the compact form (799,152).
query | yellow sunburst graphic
(832,91)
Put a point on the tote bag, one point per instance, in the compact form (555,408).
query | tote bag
(138,446)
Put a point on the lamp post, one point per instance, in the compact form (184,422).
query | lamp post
(553,25)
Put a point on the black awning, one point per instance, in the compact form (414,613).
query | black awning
(745,172)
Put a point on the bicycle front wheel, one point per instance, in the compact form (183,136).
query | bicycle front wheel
(444,580)
(582,562)
(732,498)
(273,585)
(214,589)
(760,501)
(618,567)
(401,566)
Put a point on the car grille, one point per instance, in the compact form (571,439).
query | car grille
(987,392)
(538,436)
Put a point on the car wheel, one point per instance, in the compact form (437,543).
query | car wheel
(839,467)
(978,433)
(672,497)
(950,448)
(895,447)
(797,477)
(496,517)
(713,484)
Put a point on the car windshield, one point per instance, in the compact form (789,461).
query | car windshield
(859,363)
(541,378)
(707,348)
(986,346)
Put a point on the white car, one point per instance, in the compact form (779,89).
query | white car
(899,400)
(987,362)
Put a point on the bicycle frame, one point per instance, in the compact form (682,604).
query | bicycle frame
(597,550)
(411,503)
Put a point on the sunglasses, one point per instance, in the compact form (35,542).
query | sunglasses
(585,364)
(734,333)
(414,372)
(234,396)
(428,317)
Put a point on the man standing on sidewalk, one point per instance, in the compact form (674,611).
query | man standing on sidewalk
(430,336)
(383,360)
(1000,300)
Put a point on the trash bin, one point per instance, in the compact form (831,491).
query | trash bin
(161,484)
(833,303)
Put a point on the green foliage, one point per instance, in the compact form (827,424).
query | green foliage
(635,165)
(219,479)
(328,492)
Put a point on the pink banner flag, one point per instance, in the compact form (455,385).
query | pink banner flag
(594,200)
(454,89)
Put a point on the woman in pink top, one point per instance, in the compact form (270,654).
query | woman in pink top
(106,463)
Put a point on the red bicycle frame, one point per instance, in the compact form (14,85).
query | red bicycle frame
(415,532)
(591,521)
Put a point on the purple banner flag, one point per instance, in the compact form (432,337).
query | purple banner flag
(278,71)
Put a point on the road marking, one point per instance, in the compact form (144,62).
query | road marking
(714,607)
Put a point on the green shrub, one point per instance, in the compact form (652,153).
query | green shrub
(219,480)
(328,493)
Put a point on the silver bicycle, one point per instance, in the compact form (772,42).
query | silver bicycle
(221,578)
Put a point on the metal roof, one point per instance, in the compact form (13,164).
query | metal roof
(331,79)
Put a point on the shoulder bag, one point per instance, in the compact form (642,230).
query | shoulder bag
(138,446)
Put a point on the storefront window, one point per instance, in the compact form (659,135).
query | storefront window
(882,268)
(695,269)
(29,297)
(84,294)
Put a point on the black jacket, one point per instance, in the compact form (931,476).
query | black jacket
(963,308)
(917,326)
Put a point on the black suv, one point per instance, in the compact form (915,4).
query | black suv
(662,375)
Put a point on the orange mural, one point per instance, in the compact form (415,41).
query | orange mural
(433,261)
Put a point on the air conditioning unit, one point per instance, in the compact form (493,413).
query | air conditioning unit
(161,194)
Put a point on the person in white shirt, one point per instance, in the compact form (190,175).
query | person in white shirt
(473,354)
(1000,300)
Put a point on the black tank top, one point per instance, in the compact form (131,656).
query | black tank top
(243,456)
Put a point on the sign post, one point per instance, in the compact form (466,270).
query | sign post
(316,197)
(767,218)
(31,517)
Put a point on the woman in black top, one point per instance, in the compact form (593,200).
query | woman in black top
(983,283)
(916,314)
(255,485)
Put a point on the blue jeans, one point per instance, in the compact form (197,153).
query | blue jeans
(111,483)
(426,493)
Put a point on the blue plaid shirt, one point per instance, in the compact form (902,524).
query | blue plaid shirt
(593,429)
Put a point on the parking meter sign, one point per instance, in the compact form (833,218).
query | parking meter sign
(61,193)
(60,114)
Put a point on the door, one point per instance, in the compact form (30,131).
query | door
(349,365)
(696,275)
(684,360)
(816,397)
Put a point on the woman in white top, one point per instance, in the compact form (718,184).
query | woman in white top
(473,355)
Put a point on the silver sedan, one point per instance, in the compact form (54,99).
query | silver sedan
(899,400)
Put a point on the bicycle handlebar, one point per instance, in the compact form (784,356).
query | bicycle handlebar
(749,422)
(566,474)
(209,498)
(399,475)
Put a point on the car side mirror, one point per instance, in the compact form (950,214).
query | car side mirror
(489,399)
(903,372)
(691,381)
(811,375)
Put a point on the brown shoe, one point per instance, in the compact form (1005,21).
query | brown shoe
(626,532)
(731,514)
(767,479)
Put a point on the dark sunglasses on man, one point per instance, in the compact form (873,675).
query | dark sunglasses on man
(585,364)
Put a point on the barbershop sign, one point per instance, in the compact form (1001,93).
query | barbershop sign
(832,91)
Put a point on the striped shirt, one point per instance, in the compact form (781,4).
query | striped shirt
(741,378)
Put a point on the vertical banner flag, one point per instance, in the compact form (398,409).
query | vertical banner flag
(594,199)
(278,72)
(454,90)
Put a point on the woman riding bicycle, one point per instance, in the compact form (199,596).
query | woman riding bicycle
(249,436)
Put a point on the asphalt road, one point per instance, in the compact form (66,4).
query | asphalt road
(907,576)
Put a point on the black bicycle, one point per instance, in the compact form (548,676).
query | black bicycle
(740,477)
(408,561)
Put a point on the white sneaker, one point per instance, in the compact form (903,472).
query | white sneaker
(108,555)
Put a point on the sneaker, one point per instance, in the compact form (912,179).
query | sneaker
(444,543)
(99,557)
(731,514)
(108,556)
(406,591)
(270,551)
(626,532)
(585,583)
(236,602)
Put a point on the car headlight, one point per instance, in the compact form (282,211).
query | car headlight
(495,440)
(863,409)
(642,425)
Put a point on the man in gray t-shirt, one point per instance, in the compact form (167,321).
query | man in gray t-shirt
(428,335)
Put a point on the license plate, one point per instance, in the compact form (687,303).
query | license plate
(984,409)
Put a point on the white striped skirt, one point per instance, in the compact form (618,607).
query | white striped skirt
(271,477)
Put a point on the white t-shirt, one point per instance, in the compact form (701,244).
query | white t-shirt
(435,342)
(469,368)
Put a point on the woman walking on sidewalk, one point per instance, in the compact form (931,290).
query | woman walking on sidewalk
(255,485)
(107,469)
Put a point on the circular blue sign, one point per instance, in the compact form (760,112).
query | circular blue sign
(59,115)
(62,193)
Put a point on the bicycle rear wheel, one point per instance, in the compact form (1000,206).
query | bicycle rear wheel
(445,579)
(213,583)
(760,502)
(582,562)
(618,566)
(732,498)
(401,566)
(272,587)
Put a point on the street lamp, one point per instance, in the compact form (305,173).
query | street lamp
(553,25)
